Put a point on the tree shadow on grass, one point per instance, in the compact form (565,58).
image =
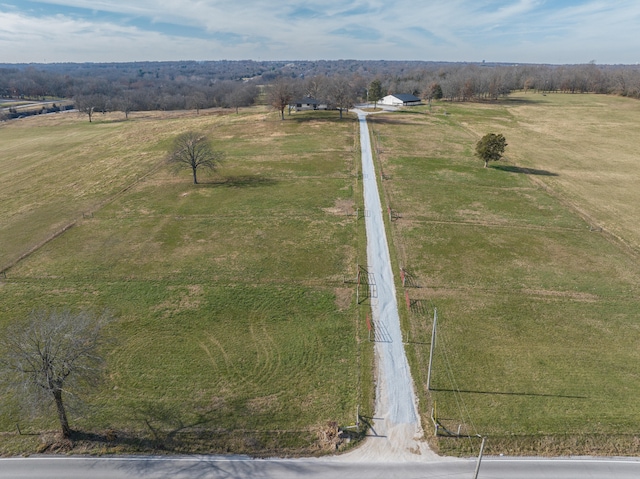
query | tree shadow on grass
(520,100)
(242,181)
(410,112)
(505,393)
(324,119)
(168,428)
(395,119)
(522,170)
(110,438)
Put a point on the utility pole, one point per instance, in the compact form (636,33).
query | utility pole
(433,345)
(475,476)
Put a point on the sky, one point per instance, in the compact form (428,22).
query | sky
(517,31)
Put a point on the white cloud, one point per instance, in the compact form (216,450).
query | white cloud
(455,30)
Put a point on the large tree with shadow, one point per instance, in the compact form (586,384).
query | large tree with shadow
(193,150)
(490,148)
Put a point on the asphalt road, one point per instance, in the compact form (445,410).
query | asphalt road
(210,467)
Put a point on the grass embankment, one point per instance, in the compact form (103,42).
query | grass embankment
(235,330)
(537,307)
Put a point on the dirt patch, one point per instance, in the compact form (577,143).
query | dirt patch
(188,300)
(341,208)
(343,298)
(262,404)
(330,437)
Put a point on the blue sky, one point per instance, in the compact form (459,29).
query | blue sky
(523,31)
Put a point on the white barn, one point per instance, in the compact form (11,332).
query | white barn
(400,99)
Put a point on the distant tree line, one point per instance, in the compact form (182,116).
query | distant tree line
(477,81)
(231,84)
(98,90)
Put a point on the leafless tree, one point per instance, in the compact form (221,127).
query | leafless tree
(125,103)
(52,358)
(316,87)
(196,101)
(89,104)
(193,150)
(242,96)
(341,94)
(280,95)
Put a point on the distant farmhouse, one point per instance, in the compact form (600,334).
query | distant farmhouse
(400,99)
(307,103)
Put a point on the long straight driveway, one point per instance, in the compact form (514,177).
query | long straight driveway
(396,425)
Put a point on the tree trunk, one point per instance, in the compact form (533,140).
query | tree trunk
(486,163)
(62,414)
(282,114)
(195,178)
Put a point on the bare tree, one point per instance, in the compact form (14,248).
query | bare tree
(280,95)
(242,96)
(341,94)
(316,87)
(53,357)
(125,103)
(87,104)
(196,101)
(193,150)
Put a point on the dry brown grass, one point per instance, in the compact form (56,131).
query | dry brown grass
(590,143)
(533,265)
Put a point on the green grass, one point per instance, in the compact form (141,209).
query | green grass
(235,330)
(537,307)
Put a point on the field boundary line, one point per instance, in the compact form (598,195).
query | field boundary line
(72,223)
(590,220)
(35,248)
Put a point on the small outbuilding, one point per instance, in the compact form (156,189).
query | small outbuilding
(400,99)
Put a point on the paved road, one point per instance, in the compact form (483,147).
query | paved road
(209,467)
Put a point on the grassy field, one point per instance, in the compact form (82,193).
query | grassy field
(235,331)
(533,265)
